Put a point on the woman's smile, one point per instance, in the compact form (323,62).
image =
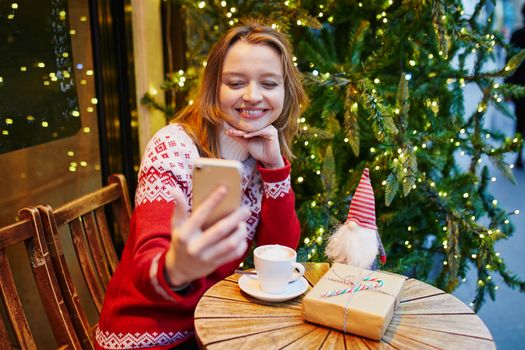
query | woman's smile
(251,113)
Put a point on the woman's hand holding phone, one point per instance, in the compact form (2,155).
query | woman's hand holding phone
(194,253)
(262,144)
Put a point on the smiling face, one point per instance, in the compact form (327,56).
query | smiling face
(251,92)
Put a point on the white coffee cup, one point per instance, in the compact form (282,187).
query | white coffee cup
(276,266)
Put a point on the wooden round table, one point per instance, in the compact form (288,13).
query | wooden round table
(427,318)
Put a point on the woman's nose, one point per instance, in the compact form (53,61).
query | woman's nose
(252,93)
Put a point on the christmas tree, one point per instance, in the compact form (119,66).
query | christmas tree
(386,83)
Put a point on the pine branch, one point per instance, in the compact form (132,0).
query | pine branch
(328,174)
(391,188)
(356,44)
(351,119)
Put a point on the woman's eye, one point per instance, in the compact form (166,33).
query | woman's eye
(235,84)
(269,84)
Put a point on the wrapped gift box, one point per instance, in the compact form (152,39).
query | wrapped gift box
(354,300)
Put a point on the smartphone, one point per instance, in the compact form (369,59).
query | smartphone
(210,173)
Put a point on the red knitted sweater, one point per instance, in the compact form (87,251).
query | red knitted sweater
(140,310)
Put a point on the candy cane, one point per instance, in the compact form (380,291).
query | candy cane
(360,287)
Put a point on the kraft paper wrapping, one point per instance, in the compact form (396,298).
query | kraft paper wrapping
(368,312)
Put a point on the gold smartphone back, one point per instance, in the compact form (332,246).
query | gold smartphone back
(210,173)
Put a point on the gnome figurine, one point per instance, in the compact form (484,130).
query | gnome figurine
(357,241)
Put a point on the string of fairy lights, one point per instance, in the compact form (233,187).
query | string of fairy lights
(63,78)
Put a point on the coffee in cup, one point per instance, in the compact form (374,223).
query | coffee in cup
(276,266)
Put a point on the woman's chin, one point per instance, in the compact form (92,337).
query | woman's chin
(247,126)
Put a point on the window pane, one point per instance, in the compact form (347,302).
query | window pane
(38,101)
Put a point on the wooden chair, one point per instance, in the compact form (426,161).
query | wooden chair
(89,228)
(29,231)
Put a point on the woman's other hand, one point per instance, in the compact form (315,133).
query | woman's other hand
(194,253)
(262,144)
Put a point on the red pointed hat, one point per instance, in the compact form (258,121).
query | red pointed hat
(362,207)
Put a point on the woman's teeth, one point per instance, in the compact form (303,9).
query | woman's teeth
(252,111)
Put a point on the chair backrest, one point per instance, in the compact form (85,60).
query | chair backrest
(86,220)
(27,231)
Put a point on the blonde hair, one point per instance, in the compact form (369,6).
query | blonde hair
(200,120)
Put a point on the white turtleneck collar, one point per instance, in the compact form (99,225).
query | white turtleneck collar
(231,149)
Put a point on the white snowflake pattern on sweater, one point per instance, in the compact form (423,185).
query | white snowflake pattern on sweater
(138,340)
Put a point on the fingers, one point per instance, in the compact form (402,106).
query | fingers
(220,231)
(199,253)
(187,229)
(237,135)
(266,132)
(199,216)
(230,248)
(180,211)
(235,132)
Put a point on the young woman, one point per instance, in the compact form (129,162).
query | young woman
(249,99)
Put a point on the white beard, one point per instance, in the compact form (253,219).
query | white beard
(353,245)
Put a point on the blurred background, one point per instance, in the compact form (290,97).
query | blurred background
(85,84)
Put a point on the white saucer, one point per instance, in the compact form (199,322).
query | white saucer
(250,285)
